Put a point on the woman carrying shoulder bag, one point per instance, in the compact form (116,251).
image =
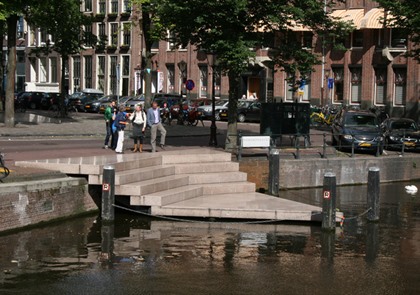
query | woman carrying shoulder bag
(138,117)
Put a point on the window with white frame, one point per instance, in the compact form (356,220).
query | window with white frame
(126,34)
(88,5)
(32,70)
(203,80)
(356,85)
(101,72)
(398,39)
(89,40)
(380,85)
(126,6)
(170,82)
(53,70)
(114,34)
(306,87)
(114,7)
(88,71)
(113,74)
(400,85)
(338,86)
(43,69)
(76,73)
(288,88)
(102,6)
(125,74)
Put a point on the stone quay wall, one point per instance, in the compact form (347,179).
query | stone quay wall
(32,202)
(349,171)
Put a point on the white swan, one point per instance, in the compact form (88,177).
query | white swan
(411,189)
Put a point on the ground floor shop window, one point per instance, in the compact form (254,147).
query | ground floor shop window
(400,85)
(356,85)
(380,85)
(338,87)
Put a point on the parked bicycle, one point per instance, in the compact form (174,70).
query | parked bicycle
(324,116)
(4,171)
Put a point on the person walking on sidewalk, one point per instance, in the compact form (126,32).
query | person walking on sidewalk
(108,116)
(138,117)
(120,123)
(155,123)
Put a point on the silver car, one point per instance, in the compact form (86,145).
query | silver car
(207,109)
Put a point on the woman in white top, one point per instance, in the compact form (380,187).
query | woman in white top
(138,117)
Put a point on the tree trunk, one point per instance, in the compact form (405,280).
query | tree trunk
(231,143)
(61,104)
(9,115)
(148,80)
(146,24)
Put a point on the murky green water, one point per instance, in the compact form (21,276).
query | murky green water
(140,256)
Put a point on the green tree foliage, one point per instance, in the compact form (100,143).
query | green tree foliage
(65,22)
(230,28)
(405,15)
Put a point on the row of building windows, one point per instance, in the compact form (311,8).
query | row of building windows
(103,6)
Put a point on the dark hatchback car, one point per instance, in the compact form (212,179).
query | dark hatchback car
(359,128)
(94,106)
(247,111)
(30,99)
(399,132)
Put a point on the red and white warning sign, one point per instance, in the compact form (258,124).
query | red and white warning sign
(327,194)
(106,187)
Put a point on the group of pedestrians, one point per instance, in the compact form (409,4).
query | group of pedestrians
(116,119)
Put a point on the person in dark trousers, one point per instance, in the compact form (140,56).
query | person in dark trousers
(108,116)
(138,118)
(155,123)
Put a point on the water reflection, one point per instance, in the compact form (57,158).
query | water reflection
(142,256)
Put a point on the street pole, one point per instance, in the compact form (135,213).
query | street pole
(118,84)
(213,128)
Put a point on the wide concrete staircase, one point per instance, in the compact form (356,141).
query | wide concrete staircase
(165,178)
(196,182)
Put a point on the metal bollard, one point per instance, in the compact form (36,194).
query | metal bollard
(324,147)
(352,146)
(108,193)
(297,147)
(274,172)
(329,200)
(373,194)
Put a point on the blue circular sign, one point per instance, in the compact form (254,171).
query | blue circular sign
(189,85)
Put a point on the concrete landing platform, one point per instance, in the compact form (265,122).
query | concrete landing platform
(197,182)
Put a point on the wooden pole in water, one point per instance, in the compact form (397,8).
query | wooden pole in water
(274,172)
(108,193)
(373,194)
(328,203)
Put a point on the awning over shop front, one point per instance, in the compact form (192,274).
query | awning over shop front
(353,15)
(374,19)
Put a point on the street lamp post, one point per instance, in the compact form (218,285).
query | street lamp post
(118,84)
(213,128)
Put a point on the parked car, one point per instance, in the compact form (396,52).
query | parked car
(360,126)
(50,101)
(398,132)
(206,110)
(94,106)
(130,103)
(79,103)
(247,111)
(30,99)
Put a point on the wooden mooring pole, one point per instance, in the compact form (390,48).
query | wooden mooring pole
(108,193)
(273,172)
(373,194)
(328,203)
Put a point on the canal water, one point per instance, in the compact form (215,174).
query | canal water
(137,255)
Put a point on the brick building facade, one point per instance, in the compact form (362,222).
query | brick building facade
(372,70)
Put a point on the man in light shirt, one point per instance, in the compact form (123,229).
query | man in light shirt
(155,124)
